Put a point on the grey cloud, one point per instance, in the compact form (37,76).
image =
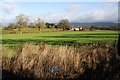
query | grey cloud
(108,13)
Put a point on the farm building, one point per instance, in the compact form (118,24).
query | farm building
(77,29)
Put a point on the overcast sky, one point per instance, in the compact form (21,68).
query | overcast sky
(55,11)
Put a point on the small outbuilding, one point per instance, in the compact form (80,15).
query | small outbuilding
(76,29)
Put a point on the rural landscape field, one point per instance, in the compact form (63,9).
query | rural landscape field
(38,47)
(59,38)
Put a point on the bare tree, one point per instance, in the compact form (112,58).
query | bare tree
(22,21)
(64,24)
(40,24)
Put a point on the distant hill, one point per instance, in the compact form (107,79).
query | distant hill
(87,24)
(95,24)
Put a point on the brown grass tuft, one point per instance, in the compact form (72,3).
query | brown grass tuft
(38,60)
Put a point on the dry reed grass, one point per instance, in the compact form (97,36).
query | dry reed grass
(46,61)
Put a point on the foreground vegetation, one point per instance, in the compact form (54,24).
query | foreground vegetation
(46,61)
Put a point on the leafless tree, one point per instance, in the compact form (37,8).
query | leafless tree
(64,24)
(22,21)
(40,24)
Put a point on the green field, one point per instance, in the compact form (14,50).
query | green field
(60,38)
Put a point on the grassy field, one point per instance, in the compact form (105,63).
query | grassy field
(61,38)
(38,60)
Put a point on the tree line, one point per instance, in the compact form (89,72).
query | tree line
(24,22)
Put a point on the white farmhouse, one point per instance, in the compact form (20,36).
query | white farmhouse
(76,29)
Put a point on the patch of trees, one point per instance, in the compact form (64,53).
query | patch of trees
(22,21)
(11,26)
(50,25)
(64,24)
